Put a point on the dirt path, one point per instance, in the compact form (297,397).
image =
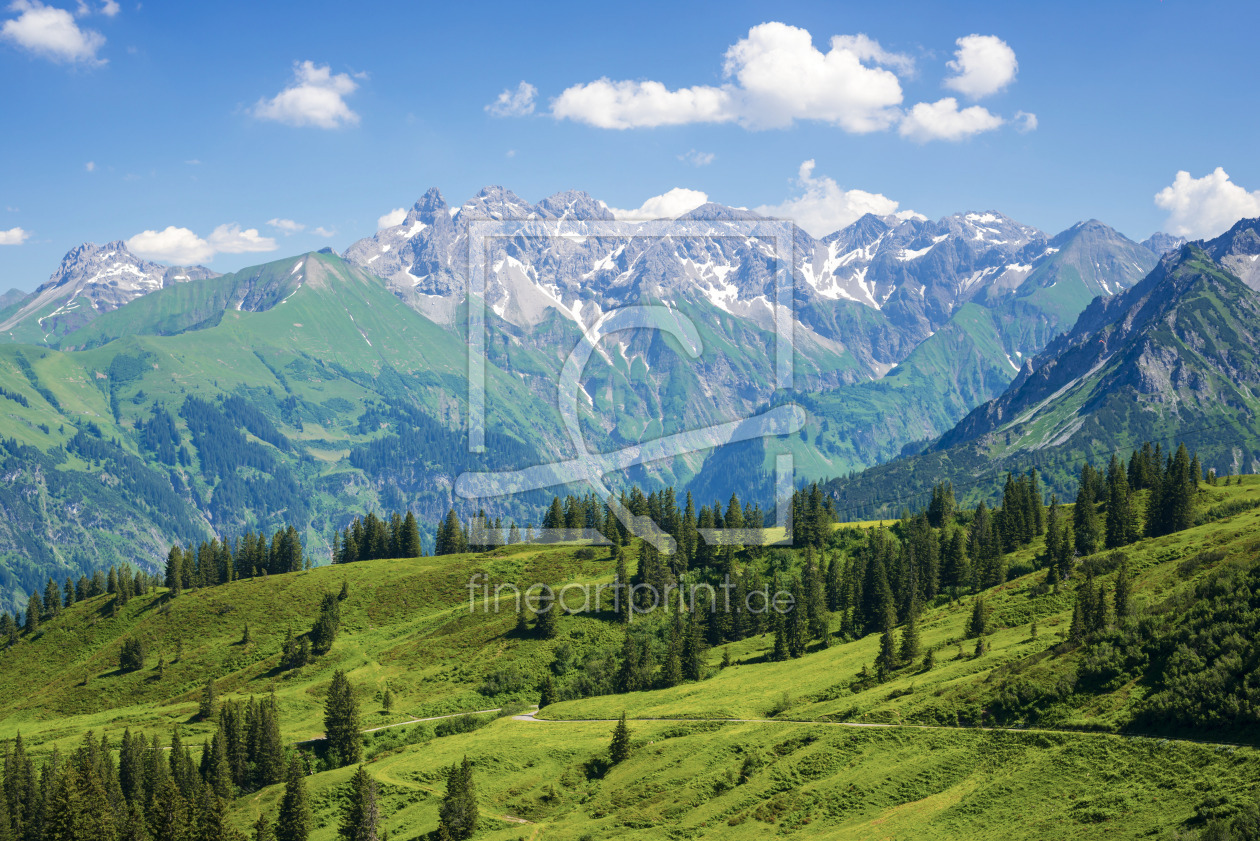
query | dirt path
(533,717)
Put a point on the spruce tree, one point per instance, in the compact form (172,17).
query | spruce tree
(547,693)
(33,609)
(208,710)
(410,538)
(360,816)
(263,830)
(672,671)
(619,750)
(910,636)
(693,648)
(1084,515)
(887,661)
(294,821)
(978,625)
(458,814)
(1121,529)
(1053,535)
(621,603)
(547,618)
(780,637)
(174,570)
(341,721)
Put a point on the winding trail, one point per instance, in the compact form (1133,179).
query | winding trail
(533,717)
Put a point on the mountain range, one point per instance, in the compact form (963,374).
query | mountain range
(141,406)
(1172,359)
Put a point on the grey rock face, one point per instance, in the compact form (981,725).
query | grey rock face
(1161,243)
(94,279)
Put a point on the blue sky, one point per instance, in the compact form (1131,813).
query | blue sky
(121,118)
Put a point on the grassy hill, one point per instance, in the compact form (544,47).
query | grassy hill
(1079,765)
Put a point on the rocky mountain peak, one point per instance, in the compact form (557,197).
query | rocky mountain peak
(1238,250)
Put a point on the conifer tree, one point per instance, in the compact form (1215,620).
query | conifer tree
(1053,535)
(360,816)
(1121,529)
(387,700)
(341,721)
(409,541)
(263,830)
(954,570)
(622,593)
(941,509)
(978,625)
(294,821)
(693,647)
(324,631)
(208,710)
(174,570)
(780,636)
(1083,624)
(672,671)
(215,769)
(33,609)
(910,636)
(1179,488)
(887,661)
(547,694)
(458,814)
(52,598)
(547,618)
(1084,515)
(619,750)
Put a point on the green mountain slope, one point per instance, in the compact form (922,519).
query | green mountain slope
(1174,358)
(916,763)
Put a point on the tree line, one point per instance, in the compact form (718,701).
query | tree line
(122,583)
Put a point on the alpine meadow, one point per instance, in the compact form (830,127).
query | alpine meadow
(763,479)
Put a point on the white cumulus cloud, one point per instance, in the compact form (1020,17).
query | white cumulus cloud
(171,245)
(392,219)
(51,33)
(231,239)
(824,207)
(669,205)
(982,65)
(181,246)
(942,120)
(1205,207)
(90,166)
(514,103)
(1025,122)
(868,49)
(321,231)
(316,98)
(775,76)
(14,236)
(288,226)
(110,8)
(695,158)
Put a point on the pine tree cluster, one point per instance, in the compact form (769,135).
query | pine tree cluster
(371,538)
(143,791)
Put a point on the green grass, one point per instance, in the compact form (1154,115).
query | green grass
(406,624)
